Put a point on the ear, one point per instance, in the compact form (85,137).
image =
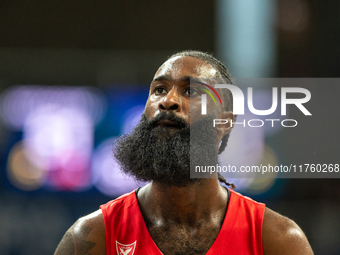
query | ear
(223,123)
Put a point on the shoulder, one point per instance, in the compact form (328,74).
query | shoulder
(281,235)
(85,236)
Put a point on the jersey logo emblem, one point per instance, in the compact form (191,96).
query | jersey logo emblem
(125,249)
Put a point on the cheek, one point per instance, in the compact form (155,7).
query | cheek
(196,110)
(151,107)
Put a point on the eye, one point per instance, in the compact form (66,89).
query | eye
(160,91)
(191,92)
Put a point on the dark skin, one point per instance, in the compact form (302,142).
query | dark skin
(184,220)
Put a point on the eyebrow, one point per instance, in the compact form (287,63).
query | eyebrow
(167,77)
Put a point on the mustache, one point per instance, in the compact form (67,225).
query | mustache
(167,116)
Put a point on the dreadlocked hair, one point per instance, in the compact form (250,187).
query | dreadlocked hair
(222,179)
(222,72)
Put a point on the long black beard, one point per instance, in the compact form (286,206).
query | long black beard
(163,154)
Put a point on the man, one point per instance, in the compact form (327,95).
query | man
(175,214)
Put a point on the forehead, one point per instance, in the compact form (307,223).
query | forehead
(180,66)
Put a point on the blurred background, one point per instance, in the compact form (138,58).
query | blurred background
(74,76)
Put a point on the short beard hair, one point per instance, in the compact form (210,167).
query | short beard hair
(163,154)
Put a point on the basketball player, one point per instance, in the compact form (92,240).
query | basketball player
(175,214)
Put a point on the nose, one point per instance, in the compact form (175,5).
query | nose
(171,102)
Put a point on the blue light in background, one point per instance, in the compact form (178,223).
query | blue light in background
(60,127)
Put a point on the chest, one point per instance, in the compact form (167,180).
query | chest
(179,240)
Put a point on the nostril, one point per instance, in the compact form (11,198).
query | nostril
(162,107)
(174,107)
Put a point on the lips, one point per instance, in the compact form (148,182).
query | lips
(168,123)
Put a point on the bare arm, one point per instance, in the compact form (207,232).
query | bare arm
(85,237)
(282,236)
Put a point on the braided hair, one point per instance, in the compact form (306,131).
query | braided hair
(222,72)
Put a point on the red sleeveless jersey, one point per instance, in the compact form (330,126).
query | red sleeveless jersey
(127,234)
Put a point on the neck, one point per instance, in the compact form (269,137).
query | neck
(205,199)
